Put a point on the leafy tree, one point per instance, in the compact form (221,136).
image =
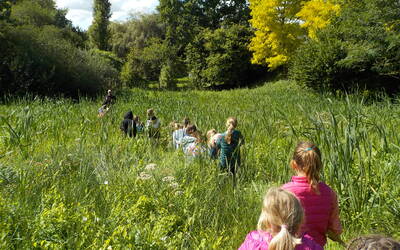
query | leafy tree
(135,33)
(5,9)
(98,31)
(359,49)
(145,64)
(40,54)
(316,15)
(220,57)
(279,23)
(167,76)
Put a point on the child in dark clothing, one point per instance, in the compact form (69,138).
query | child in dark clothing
(128,125)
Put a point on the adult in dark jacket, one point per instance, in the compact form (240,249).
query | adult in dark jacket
(128,125)
(109,99)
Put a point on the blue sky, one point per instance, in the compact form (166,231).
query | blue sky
(80,11)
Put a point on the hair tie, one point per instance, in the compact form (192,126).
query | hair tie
(284,226)
(308,149)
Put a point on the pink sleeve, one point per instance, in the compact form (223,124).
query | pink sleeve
(253,241)
(334,220)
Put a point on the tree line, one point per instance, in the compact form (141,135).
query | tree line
(322,44)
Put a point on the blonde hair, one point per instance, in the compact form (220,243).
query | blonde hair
(307,157)
(150,112)
(209,135)
(377,242)
(231,124)
(174,125)
(281,209)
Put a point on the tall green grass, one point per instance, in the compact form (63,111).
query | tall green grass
(71,180)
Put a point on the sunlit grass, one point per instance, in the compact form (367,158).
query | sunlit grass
(69,179)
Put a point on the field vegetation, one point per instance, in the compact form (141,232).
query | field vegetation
(71,180)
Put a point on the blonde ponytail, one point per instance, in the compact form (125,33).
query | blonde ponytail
(281,209)
(284,240)
(231,124)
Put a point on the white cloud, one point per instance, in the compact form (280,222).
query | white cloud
(80,11)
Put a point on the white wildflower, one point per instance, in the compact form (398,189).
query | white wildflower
(178,192)
(105,182)
(150,167)
(144,176)
(84,219)
(174,185)
(109,247)
(97,219)
(163,238)
(168,179)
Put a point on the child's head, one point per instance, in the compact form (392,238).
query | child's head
(136,118)
(150,112)
(281,214)
(375,242)
(307,159)
(231,124)
(210,134)
(190,129)
(186,122)
(174,125)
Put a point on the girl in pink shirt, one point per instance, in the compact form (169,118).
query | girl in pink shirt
(319,201)
(280,220)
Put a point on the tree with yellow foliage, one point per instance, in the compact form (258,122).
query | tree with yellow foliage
(282,25)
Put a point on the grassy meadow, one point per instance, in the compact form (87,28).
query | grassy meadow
(70,180)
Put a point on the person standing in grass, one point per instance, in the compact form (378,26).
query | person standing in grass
(319,201)
(278,225)
(128,125)
(153,124)
(229,147)
(109,99)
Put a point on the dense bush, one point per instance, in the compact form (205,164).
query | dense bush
(220,57)
(39,60)
(360,49)
(144,64)
(42,53)
(167,76)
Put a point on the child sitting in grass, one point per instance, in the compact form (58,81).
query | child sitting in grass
(212,137)
(177,134)
(191,142)
(319,201)
(139,124)
(280,220)
(153,124)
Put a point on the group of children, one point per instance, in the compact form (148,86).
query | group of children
(300,214)
(304,212)
(223,146)
(131,125)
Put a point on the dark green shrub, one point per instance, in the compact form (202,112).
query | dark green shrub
(220,58)
(359,50)
(40,61)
